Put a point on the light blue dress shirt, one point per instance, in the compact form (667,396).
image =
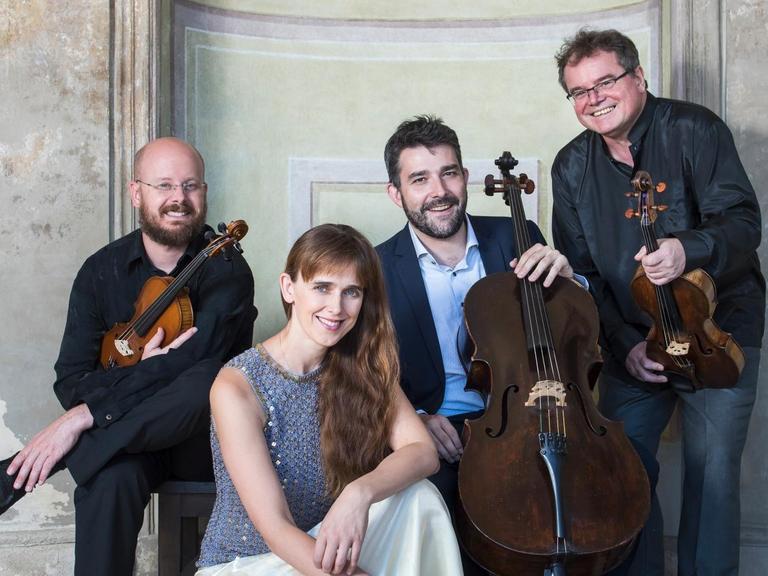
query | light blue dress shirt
(446,289)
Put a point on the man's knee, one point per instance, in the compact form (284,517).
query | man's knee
(129,478)
(194,384)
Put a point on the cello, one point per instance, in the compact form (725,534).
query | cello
(163,302)
(683,337)
(547,485)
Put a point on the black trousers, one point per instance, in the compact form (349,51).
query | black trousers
(116,468)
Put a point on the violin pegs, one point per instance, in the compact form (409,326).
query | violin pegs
(660,187)
(629,213)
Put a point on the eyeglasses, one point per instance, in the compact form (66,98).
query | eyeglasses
(607,84)
(187,187)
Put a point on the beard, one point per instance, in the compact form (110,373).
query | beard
(420,218)
(177,235)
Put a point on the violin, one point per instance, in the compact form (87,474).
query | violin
(163,302)
(683,337)
(547,485)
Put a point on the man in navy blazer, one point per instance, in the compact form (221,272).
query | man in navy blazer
(429,266)
(421,364)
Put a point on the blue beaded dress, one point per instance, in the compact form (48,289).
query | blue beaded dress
(409,534)
(293,437)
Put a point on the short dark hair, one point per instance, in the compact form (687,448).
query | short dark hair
(586,42)
(425,130)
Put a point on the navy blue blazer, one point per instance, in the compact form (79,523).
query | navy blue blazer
(421,364)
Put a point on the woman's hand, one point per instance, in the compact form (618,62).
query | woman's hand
(338,544)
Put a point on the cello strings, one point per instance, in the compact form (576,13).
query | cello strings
(547,368)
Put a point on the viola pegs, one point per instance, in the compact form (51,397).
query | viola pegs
(660,187)
(629,213)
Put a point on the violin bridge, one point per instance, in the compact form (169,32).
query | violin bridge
(547,388)
(675,348)
(123,347)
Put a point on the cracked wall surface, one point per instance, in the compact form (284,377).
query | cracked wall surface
(54,173)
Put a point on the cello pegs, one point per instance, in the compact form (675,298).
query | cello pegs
(526,183)
(631,194)
(490,185)
(661,207)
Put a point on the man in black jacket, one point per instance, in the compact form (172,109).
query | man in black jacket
(712,221)
(126,429)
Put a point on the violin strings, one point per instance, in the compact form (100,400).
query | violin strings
(670,324)
(161,303)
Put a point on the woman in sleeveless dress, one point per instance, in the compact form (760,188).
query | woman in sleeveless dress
(320,460)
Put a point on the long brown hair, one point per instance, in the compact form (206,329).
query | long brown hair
(361,371)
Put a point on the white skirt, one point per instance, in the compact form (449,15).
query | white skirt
(409,534)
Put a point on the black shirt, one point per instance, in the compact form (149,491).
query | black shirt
(104,293)
(712,210)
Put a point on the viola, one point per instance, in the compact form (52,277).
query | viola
(163,302)
(683,337)
(547,485)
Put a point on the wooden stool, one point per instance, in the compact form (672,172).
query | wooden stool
(180,504)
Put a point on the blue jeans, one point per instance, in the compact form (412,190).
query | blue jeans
(715,423)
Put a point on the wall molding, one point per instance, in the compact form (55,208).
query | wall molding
(304,172)
(133,101)
(696,53)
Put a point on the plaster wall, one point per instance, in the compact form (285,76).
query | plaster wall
(54,174)
(746,83)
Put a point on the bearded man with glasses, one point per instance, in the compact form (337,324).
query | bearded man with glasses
(127,429)
(712,222)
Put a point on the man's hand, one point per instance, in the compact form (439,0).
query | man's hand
(642,367)
(444,436)
(539,259)
(36,460)
(340,539)
(152,347)
(666,263)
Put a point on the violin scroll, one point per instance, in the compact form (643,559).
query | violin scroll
(643,191)
(231,234)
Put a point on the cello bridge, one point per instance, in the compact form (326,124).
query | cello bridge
(547,389)
(675,348)
(123,347)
